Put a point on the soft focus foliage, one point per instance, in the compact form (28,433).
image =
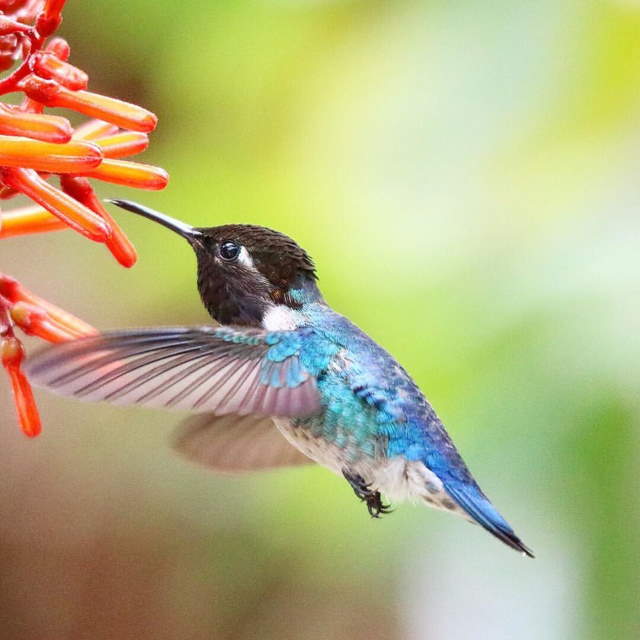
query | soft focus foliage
(465,175)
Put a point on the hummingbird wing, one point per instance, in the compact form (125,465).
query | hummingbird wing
(235,444)
(205,369)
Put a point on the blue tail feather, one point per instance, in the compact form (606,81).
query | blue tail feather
(477,505)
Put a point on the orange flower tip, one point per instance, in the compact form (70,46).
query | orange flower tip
(123,144)
(31,429)
(72,157)
(59,47)
(123,251)
(94,129)
(37,126)
(10,288)
(131,174)
(11,352)
(25,402)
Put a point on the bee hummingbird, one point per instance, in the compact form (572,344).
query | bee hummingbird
(284,380)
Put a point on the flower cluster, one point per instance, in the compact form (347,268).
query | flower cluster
(34,146)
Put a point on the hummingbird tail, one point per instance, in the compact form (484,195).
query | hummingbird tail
(477,505)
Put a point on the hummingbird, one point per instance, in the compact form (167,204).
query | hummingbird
(281,380)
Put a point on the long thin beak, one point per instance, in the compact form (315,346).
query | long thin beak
(181,228)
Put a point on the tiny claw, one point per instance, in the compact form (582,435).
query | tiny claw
(366,494)
(376,507)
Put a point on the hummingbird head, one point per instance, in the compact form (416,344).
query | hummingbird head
(244,271)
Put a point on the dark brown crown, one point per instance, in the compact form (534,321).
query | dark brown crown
(279,258)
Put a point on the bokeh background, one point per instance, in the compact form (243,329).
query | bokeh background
(466,176)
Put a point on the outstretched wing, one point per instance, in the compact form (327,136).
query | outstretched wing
(204,369)
(235,444)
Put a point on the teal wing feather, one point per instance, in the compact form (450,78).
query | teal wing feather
(205,369)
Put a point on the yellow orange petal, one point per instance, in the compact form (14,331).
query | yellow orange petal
(27,220)
(93,129)
(131,174)
(76,215)
(124,114)
(126,143)
(34,125)
(72,157)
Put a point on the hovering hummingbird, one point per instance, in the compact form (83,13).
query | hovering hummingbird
(285,380)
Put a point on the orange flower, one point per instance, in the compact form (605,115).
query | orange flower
(37,126)
(94,129)
(72,157)
(13,292)
(31,219)
(12,354)
(126,143)
(48,65)
(34,145)
(130,174)
(9,25)
(35,321)
(123,114)
(70,211)
(118,243)
(59,47)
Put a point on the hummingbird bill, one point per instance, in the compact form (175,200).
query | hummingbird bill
(284,380)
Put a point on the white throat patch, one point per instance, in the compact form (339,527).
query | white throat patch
(279,317)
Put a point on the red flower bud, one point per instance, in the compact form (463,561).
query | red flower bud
(47,65)
(12,355)
(59,47)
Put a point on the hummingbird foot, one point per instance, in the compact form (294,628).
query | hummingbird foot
(364,492)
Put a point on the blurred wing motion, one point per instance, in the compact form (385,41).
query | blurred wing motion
(235,443)
(204,369)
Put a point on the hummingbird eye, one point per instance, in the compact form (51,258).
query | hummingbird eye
(229,250)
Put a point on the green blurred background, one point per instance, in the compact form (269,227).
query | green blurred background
(465,175)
